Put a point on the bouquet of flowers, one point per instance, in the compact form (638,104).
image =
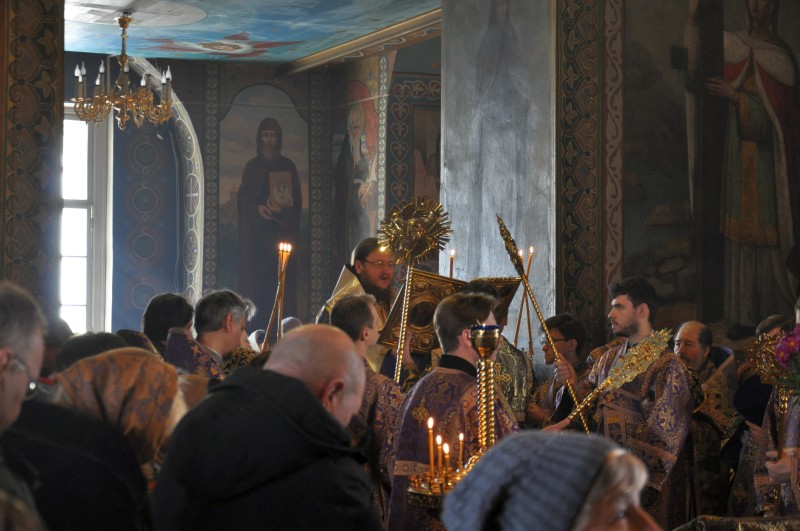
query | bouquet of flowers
(787,354)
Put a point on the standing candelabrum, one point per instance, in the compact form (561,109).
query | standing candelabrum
(485,339)
(444,472)
(284,250)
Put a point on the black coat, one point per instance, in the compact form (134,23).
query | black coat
(260,452)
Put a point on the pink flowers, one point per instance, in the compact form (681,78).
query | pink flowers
(787,354)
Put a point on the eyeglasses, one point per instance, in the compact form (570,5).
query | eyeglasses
(33,385)
(380,264)
(543,340)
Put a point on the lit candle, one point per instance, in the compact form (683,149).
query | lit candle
(439,451)
(460,451)
(430,440)
(446,450)
(452,259)
(530,257)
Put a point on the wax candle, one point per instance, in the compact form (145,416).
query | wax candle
(430,440)
(439,451)
(452,260)
(460,450)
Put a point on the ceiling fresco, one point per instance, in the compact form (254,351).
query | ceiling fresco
(275,32)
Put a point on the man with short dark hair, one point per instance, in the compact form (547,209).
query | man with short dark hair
(220,321)
(268,448)
(449,394)
(373,426)
(650,414)
(514,370)
(22,329)
(550,403)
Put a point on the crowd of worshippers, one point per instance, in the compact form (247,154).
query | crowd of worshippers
(186,424)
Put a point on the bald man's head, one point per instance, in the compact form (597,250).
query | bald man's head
(324,358)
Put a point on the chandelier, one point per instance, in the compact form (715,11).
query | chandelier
(129,103)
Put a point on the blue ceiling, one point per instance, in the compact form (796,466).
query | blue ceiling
(274,32)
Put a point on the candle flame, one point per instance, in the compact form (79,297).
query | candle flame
(446,448)
(452,253)
(438,440)
(531,249)
(430,423)
(460,436)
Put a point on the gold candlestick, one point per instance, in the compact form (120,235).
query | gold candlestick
(485,339)
(287,250)
(277,307)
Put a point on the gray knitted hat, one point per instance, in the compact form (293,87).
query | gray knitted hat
(533,480)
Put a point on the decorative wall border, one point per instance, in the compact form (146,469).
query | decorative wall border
(211,168)
(580,226)
(32,116)
(319,207)
(406,91)
(383,91)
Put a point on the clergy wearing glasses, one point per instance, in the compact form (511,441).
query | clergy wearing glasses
(551,403)
(371,271)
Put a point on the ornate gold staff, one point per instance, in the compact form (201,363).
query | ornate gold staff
(637,360)
(511,249)
(413,231)
(284,250)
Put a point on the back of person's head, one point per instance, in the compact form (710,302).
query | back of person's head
(21,319)
(213,307)
(163,312)
(58,331)
(639,291)
(325,360)
(363,250)
(129,388)
(782,322)
(458,312)
(570,327)
(482,285)
(290,323)
(539,480)
(352,313)
(86,345)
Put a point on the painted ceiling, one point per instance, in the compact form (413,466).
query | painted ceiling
(275,32)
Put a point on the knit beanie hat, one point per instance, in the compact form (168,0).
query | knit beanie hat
(533,480)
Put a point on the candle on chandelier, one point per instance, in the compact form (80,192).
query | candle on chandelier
(430,441)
